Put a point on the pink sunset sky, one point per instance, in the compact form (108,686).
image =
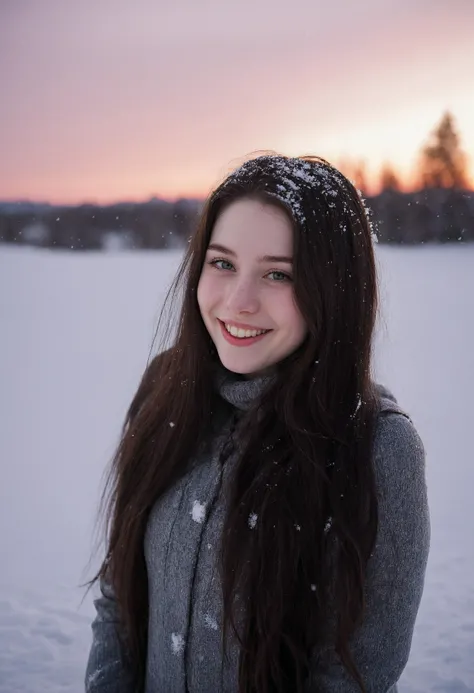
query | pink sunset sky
(105,100)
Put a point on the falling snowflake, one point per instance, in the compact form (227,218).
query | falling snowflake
(253,517)
(210,622)
(177,643)
(198,513)
(358,405)
(327,526)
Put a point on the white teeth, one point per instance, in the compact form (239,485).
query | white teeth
(240,333)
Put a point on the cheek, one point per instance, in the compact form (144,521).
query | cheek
(300,323)
(200,295)
(297,323)
(290,313)
(205,293)
(303,330)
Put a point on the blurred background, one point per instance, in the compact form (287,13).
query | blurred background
(117,119)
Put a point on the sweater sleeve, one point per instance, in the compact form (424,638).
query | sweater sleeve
(395,572)
(107,670)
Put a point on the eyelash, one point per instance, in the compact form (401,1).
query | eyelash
(278,281)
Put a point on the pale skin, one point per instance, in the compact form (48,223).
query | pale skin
(246,282)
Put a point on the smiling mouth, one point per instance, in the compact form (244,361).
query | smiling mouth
(242,333)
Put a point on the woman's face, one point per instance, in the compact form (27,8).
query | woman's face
(246,287)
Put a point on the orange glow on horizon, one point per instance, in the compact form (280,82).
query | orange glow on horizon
(180,96)
(143,190)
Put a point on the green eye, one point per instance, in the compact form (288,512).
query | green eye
(282,277)
(215,263)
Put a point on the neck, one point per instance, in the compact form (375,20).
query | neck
(242,391)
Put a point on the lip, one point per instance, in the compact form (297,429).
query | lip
(240,342)
(241,325)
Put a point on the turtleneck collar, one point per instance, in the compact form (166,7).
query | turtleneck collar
(238,391)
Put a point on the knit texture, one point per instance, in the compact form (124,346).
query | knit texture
(185,653)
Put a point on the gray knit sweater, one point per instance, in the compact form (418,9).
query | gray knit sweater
(185,653)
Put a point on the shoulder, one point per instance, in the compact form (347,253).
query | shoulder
(395,432)
(400,475)
(398,458)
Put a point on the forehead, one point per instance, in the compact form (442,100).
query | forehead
(254,226)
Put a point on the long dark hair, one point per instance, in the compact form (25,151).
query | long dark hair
(306,470)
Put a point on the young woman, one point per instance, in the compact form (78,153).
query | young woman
(268,526)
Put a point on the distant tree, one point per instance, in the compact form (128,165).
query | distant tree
(389,179)
(455,216)
(442,162)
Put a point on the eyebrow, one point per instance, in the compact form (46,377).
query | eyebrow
(265,258)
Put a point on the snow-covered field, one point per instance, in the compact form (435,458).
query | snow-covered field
(75,335)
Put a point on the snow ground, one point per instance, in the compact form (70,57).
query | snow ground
(76,331)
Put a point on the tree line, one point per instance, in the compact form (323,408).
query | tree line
(439,209)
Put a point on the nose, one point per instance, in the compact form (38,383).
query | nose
(242,297)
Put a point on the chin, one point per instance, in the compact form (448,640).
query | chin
(233,368)
(252,370)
